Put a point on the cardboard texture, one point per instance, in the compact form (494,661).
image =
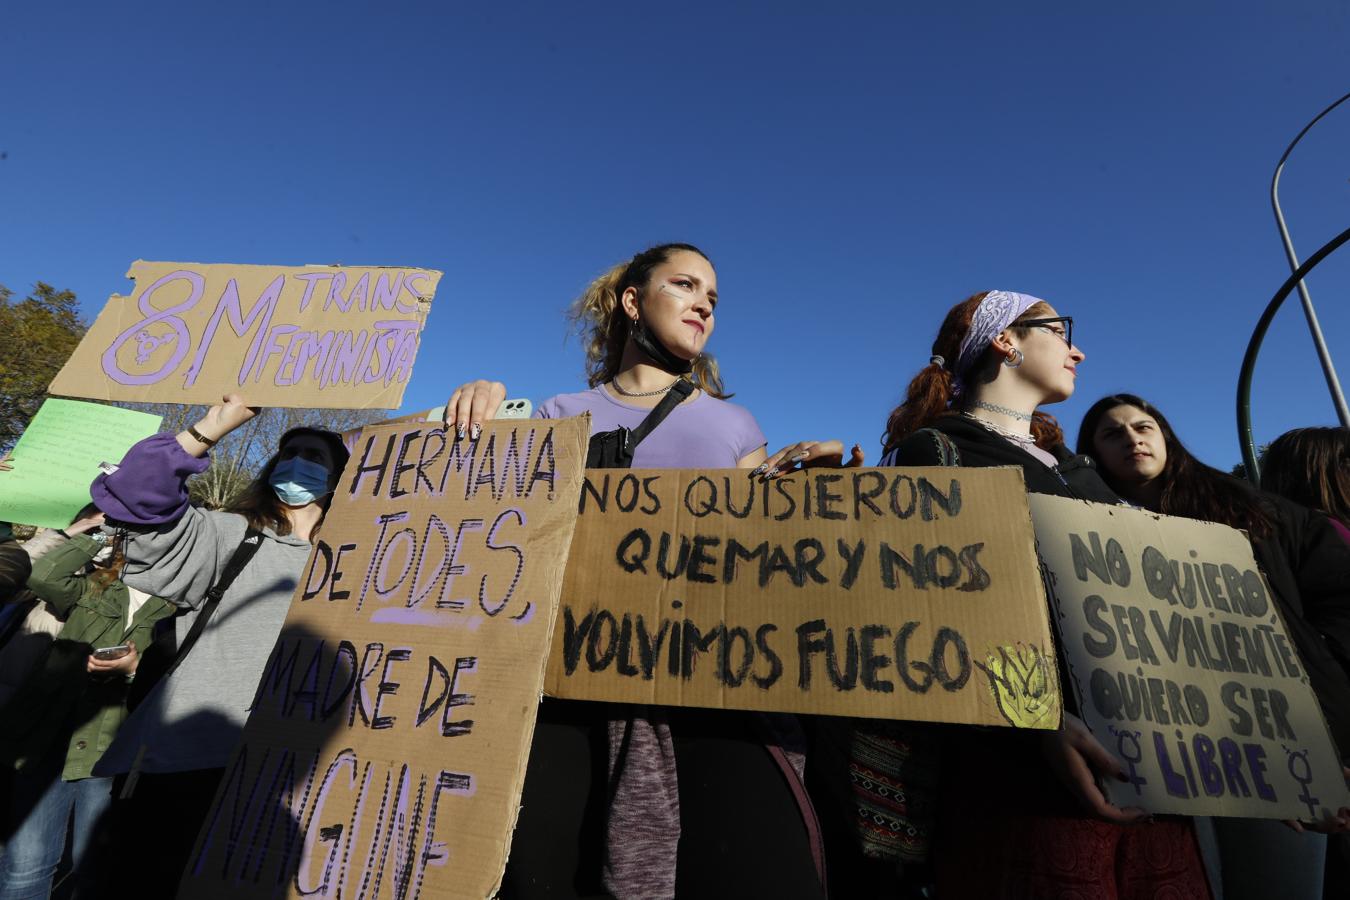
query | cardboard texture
(59,455)
(340,337)
(1182,665)
(352,436)
(887,593)
(385,750)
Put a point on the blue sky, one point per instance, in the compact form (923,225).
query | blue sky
(852,173)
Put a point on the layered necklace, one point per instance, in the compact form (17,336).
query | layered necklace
(1022,440)
(614,383)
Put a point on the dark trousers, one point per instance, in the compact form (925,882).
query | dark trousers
(156,826)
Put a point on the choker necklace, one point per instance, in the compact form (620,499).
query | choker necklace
(1024,440)
(1003,410)
(614,383)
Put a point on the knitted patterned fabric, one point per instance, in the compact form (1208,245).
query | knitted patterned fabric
(893,770)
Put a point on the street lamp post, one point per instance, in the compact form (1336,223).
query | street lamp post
(1244,392)
(1314,327)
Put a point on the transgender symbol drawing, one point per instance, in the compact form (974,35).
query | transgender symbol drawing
(1131,757)
(147,343)
(1298,759)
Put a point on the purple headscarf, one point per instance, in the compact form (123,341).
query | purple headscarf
(996,311)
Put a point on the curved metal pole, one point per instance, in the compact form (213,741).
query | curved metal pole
(1244,393)
(1314,327)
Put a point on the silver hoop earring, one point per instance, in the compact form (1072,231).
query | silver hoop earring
(1014,358)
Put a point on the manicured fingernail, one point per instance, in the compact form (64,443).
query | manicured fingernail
(772,472)
(800,456)
(760,468)
(459,433)
(476,430)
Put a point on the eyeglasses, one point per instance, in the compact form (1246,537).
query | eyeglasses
(1065,334)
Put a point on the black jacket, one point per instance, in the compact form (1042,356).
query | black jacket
(1075,476)
(1308,566)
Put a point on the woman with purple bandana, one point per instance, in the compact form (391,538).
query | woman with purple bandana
(1020,816)
(647,801)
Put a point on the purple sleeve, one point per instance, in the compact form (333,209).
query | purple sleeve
(547,410)
(150,485)
(752,438)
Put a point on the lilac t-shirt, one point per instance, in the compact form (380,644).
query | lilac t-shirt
(703,433)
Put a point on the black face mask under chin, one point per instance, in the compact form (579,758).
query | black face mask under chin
(657,352)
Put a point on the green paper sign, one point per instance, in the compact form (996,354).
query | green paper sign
(59,456)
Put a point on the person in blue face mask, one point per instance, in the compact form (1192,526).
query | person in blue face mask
(179,739)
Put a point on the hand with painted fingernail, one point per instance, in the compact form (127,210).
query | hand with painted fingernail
(808,454)
(472,404)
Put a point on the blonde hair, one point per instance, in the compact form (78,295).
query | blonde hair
(599,319)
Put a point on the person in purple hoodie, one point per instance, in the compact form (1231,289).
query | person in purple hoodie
(640,801)
(173,749)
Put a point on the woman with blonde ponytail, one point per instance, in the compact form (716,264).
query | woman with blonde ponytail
(638,801)
(1019,815)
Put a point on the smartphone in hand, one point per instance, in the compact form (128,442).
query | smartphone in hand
(117,652)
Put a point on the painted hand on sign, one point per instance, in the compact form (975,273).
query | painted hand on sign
(807,454)
(1024,685)
(470,406)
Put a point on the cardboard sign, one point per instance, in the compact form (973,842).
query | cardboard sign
(60,454)
(352,436)
(305,336)
(385,749)
(890,593)
(1182,666)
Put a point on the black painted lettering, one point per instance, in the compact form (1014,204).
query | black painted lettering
(365,466)
(387,687)
(873,662)
(825,500)
(930,495)
(864,497)
(1094,609)
(766,652)
(633,551)
(853,558)
(700,559)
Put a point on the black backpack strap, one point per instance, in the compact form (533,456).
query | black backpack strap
(673,398)
(242,554)
(948,454)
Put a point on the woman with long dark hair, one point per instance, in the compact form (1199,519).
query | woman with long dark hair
(1311,466)
(1016,815)
(635,801)
(1307,565)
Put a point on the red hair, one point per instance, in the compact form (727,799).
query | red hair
(929,395)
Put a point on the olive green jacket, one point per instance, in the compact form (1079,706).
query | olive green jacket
(61,707)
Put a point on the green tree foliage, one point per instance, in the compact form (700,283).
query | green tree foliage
(37,336)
